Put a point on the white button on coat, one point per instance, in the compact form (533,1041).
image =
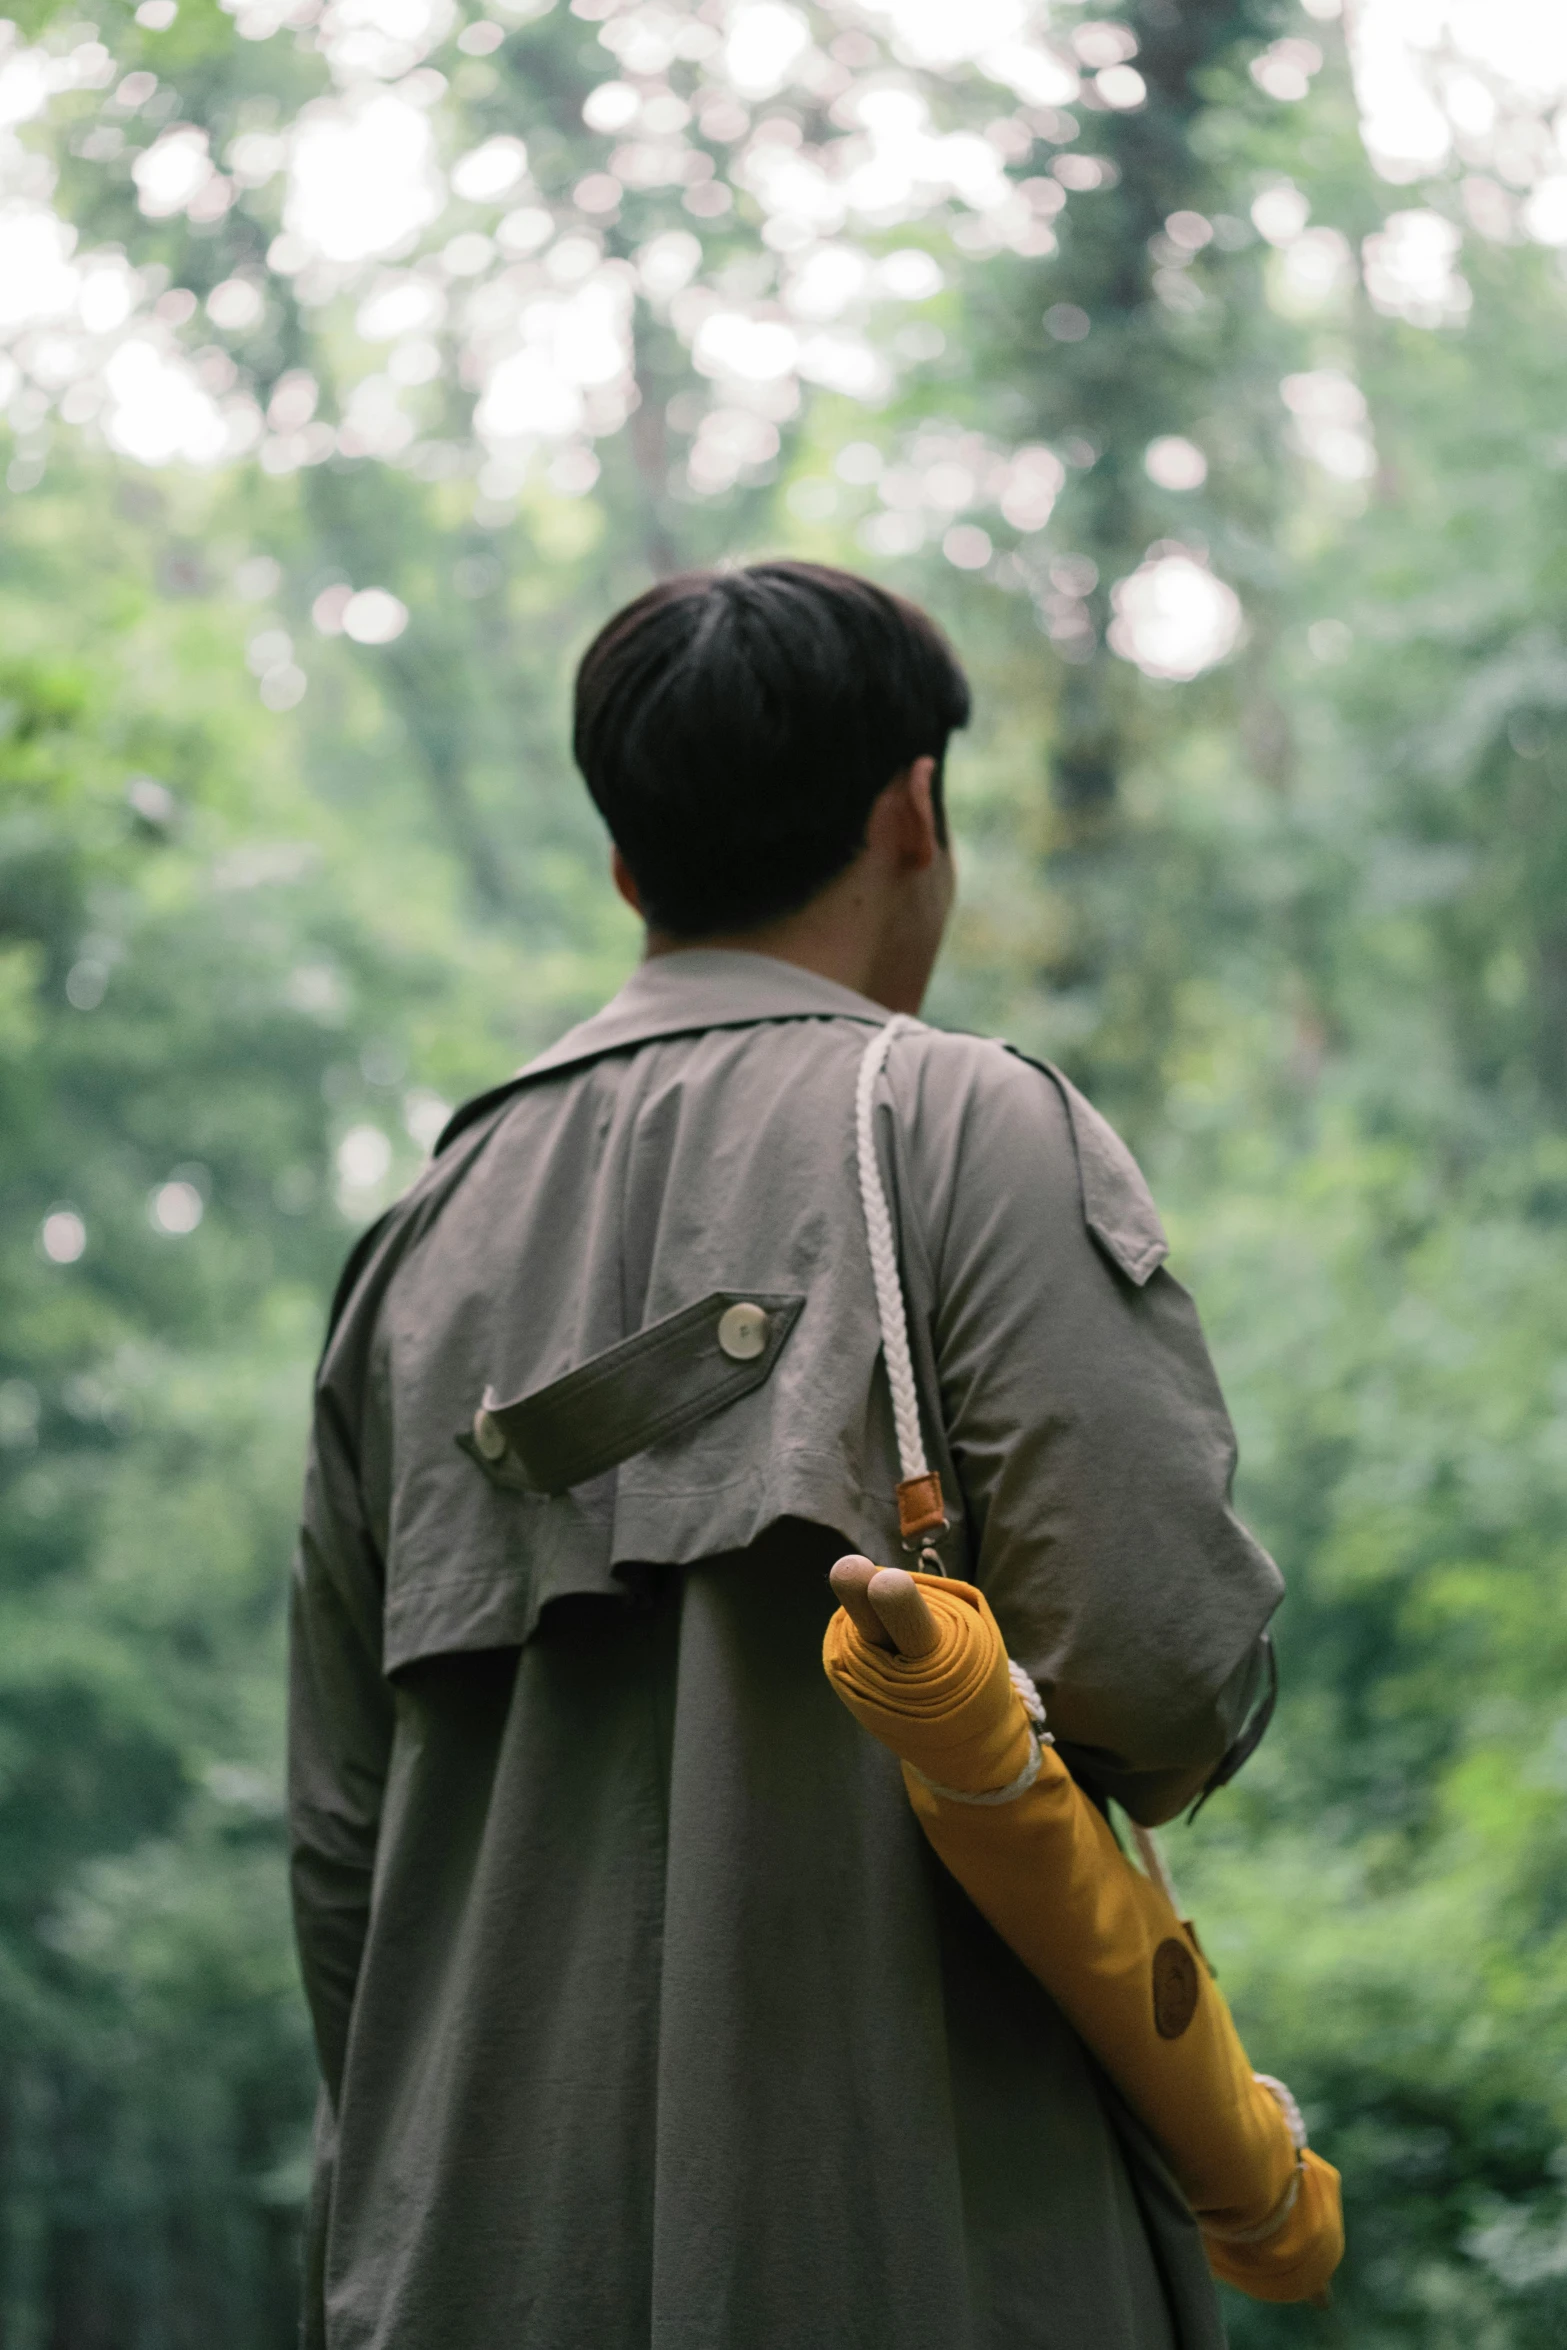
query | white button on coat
(742,1332)
(488,1435)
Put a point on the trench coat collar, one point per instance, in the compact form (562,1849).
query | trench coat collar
(694,988)
(681,994)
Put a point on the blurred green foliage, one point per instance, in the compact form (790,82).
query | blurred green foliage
(1299,926)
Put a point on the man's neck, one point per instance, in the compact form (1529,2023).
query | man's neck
(855,958)
(827,958)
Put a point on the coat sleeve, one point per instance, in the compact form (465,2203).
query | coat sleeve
(340,1734)
(1087,1431)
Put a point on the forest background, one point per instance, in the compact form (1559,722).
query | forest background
(1201,366)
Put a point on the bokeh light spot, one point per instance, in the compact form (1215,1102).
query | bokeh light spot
(967,546)
(363,1158)
(489,171)
(1173,618)
(176,1208)
(86,984)
(1175,463)
(63,1236)
(374,616)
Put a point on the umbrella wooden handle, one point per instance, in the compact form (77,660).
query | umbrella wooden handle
(885,1605)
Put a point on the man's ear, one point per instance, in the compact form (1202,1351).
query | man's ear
(903,817)
(625,882)
(922,792)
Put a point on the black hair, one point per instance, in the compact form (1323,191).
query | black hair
(734,728)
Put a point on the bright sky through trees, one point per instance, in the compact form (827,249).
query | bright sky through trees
(458,264)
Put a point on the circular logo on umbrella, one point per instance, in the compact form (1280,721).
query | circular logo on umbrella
(1175,1988)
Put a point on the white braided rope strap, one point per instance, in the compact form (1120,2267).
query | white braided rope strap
(1271,2225)
(1028,1690)
(1294,2119)
(1295,2123)
(1007,1794)
(905,1395)
(911,1444)
(884,1256)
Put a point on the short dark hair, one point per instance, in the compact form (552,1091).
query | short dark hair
(734,728)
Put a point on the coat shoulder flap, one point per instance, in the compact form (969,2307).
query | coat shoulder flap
(1117,1204)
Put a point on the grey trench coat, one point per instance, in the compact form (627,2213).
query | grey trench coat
(646,2020)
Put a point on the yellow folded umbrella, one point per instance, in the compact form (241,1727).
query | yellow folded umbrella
(1040,1862)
